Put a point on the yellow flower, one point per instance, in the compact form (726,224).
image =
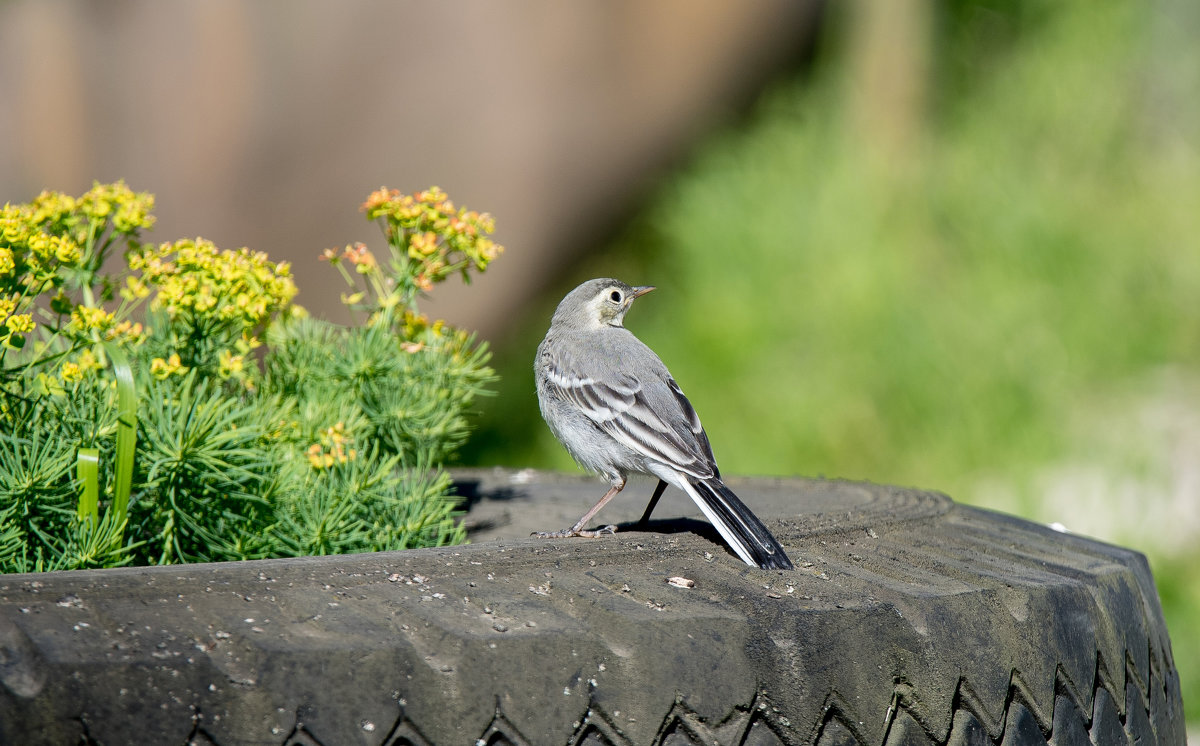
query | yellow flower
(71,372)
(162,369)
(85,318)
(20,323)
(65,250)
(134,288)
(230,365)
(128,331)
(432,196)
(488,249)
(247,343)
(361,257)
(39,244)
(129,211)
(422,244)
(333,448)
(87,361)
(51,208)
(317,457)
(378,201)
(241,287)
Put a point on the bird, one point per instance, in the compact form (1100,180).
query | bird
(612,403)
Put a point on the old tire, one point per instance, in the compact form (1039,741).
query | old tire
(909,620)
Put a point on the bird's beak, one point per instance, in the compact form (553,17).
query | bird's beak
(642,290)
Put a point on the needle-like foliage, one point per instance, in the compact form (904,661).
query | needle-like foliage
(164,442)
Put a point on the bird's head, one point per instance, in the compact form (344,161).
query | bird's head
(597,303)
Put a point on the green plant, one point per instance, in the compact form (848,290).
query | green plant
(382,405)
(161,440)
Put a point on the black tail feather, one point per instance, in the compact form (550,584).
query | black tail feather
(742,523)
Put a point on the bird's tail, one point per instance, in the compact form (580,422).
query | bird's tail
(741,529)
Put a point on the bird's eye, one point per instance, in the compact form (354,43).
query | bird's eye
(615,296)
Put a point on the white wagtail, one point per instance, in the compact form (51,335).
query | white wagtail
(616,409)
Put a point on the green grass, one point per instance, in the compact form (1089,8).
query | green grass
(989,316)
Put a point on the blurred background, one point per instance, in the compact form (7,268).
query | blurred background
(953,245)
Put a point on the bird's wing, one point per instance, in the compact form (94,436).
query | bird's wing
(656,420)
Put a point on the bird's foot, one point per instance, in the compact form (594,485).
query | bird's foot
(567,533)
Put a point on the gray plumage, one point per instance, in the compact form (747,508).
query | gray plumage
(616,409)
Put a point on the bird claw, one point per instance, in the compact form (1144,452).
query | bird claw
(567,533)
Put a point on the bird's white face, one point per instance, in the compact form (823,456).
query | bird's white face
(610,304)
(613,301)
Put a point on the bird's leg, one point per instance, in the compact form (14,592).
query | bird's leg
(658,491)
(577,529)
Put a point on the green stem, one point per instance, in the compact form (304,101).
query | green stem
(126,428)
(87,469)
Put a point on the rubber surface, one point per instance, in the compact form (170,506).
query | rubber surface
(909,619)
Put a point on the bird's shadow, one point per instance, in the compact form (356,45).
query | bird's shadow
(470,492)
(671,526)
(667,526)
